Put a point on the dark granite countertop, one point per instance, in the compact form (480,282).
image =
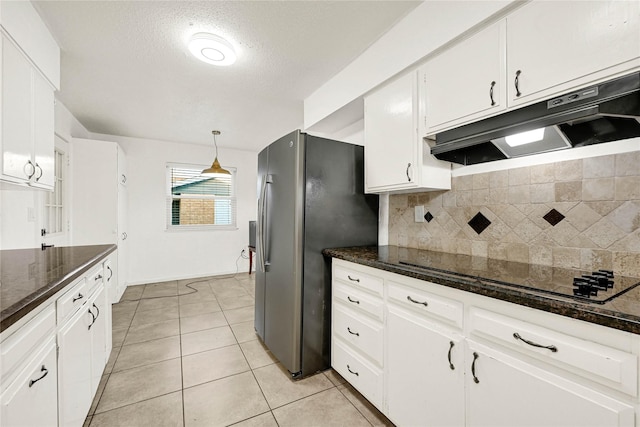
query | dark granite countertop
(621,312)
(28,277)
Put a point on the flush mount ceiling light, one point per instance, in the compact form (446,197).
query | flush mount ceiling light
(212,49)
(216,170)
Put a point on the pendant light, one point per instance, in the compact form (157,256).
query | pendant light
(215,170)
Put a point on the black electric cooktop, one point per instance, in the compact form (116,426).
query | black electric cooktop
(597,286)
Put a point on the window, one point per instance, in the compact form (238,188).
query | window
(54,201)
(199,202)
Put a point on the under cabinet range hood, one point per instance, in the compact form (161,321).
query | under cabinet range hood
(605,112)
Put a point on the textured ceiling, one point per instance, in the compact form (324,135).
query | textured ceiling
(126,69)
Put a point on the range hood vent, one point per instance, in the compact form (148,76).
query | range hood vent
(606,112)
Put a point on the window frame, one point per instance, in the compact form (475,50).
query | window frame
(169,199)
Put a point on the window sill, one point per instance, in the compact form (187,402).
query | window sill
(188,228)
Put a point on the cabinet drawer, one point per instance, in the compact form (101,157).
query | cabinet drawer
(361,333)
(605,365)
(366,378)
(68,303)
(16,348)
(427,303)
(94,278)
(32,398)
(358,279)
(357,300)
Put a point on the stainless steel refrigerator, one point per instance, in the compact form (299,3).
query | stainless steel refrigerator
(311,197)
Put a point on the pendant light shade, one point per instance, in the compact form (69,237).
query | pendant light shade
(216,170)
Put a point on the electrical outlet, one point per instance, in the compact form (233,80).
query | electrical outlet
(418,214)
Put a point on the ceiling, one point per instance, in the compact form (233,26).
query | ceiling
(126,69)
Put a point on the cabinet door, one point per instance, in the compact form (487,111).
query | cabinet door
(466,81)
(551,43)
(390,135)
(32,399)
(511,393)
(425,373)
(43,116)
(74,368)
(16,114)
(98,337)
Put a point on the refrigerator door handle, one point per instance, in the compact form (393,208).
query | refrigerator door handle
(260,225)
(265,234)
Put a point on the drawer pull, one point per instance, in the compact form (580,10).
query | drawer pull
(80,296)
(355,301)
(473,368)
(97,310)
(110,273)
(43,369)
(553,348)
(353,333)
(98,277)
(354,373)
(451,344)
(353,280)
(417,302)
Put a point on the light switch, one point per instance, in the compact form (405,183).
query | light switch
(419,214)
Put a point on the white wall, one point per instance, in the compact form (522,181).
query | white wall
(17,231)
(159,255)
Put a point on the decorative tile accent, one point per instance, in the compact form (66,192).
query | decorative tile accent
(479,223)
(553,217)
(428,217)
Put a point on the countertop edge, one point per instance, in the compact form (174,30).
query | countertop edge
(581,311)
(17,311)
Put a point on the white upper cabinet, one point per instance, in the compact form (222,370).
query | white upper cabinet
(540,50)
(30,75)
(395,157)
(468,80)
(557,46)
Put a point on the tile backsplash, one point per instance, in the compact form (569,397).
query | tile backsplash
(575,214)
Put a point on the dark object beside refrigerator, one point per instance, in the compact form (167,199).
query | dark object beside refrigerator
(311,197)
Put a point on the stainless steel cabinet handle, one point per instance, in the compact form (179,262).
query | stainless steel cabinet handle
(354,373)
(43,369)
(33,169)
(93,318)
(553,348)
(473,368)
(491,94)
(407,172)
(353,280)
(39,176)
(80,296)
(451,344)
(517,83)
(417,302)
(353,333)
(355,301)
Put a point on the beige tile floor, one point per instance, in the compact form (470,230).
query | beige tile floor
(187,358)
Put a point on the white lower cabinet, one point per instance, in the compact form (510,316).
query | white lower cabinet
(503,390)
(81,360)
(425,368)
(452,358)
(31,399)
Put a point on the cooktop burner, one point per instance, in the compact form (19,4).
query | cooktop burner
(598,286)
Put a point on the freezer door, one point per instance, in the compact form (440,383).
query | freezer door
(283,250)
(263,166)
